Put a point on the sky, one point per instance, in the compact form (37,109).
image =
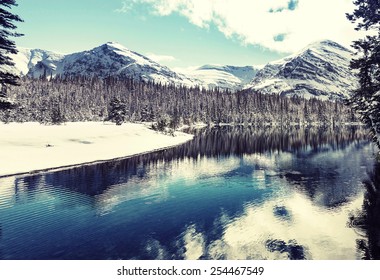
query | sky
(186,33)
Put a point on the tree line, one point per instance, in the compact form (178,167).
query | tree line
(90,99)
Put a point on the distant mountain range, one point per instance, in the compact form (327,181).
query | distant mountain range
(320,70)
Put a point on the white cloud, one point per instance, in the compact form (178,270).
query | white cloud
(160,58)
(281,25)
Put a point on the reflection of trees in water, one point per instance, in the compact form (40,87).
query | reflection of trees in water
(218,141)
(236,140)
(87,179)
(25,187)
(367,221)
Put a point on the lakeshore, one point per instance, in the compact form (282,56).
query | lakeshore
(29,147)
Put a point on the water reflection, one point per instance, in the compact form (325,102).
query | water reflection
(231,193)
(216,142)
(292,249)
(311,233)
(329,177)
(367,220)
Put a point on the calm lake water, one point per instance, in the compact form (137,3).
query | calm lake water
(231,193)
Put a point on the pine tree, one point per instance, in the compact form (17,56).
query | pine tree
(56,114)
(366,98)
(7,47)
(117,111)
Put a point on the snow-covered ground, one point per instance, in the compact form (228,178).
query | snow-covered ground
(26,147)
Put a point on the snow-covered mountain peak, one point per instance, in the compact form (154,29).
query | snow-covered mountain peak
(327,44)
(109,59)
(113,46)
(330,49)
(321,48)
(319,70)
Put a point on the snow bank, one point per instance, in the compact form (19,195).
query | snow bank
(26,147)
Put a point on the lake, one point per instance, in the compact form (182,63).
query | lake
(231,193)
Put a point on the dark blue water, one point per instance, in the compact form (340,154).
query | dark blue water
(231,193)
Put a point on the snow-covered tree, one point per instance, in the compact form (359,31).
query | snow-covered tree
(366,98)
(7,47)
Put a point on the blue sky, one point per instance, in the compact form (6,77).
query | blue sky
(184,33)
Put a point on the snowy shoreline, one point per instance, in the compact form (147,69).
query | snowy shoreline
(32,147)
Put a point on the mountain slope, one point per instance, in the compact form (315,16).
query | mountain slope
(224,77)
(321,70)
(27,59)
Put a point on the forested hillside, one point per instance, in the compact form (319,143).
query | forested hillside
(88,99)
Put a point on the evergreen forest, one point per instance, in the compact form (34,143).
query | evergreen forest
(64,99)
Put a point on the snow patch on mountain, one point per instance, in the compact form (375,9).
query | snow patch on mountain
(221,76)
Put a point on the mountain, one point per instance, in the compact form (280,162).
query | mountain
(224,77)
(110,59)
(320,70)
(113,59)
